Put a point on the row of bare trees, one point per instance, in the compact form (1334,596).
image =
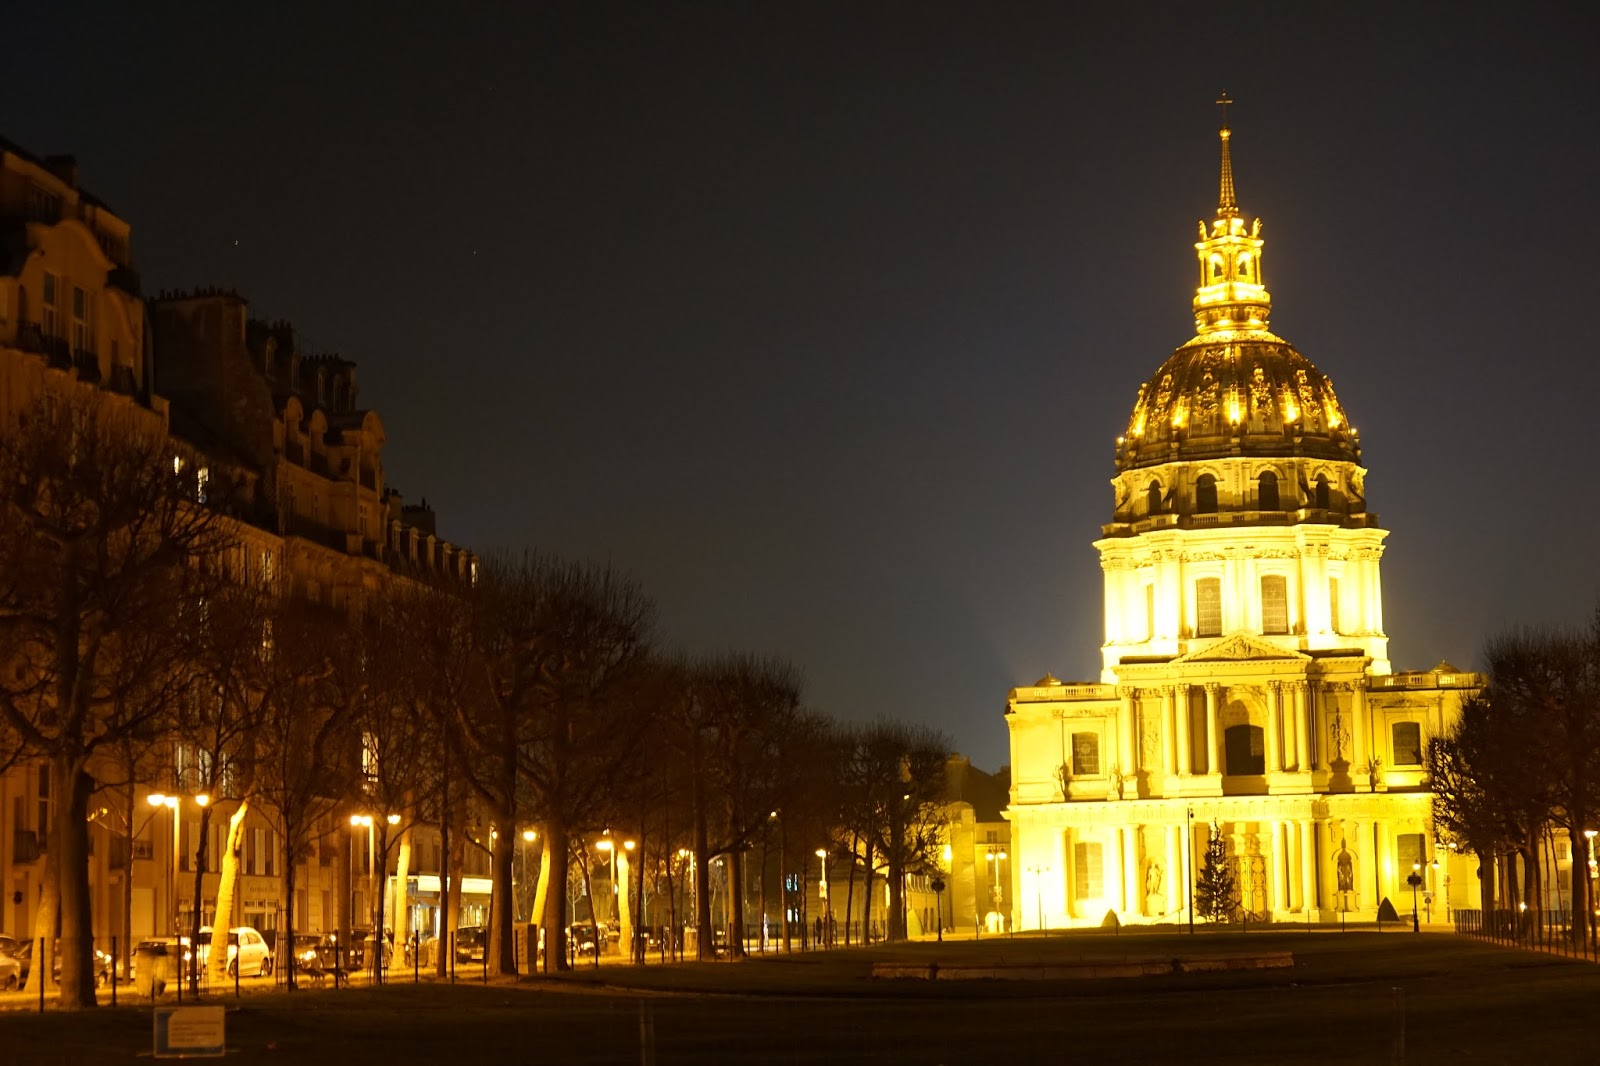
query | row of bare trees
(140,644)
(1525,757)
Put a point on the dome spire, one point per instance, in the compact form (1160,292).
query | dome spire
(1232,296)
(1227,200)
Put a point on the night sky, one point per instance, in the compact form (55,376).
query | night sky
(823,320)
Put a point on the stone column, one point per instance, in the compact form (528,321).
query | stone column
(1280,868)
(1327,867)
(1125,727)
(1169,748)
(1308,868)
(1184,743)
(1359,840)
(1213,764)
(1274,726)
(1303,724)
(1131,888)
(1173,884)
(1360,754)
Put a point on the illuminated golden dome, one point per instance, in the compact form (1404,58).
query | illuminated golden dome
(1235,388)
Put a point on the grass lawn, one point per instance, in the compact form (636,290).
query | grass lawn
(1341,1003)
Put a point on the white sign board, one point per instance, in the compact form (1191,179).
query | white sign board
(190,1032)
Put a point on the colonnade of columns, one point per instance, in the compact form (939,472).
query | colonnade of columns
(1309,863)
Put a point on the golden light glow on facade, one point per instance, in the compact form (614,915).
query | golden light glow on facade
(1245,673)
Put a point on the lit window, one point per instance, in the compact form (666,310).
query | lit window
(1205,495)
(1274,604)
(50,321)
(1208,607)
(82,321)
(1086,755)
(202,478)
(1406,738)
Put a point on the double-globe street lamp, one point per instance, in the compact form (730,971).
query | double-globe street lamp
(994,857)
(174,803)
(368,822)
(1415,881)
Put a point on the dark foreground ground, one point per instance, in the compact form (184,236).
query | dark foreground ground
(1350,998)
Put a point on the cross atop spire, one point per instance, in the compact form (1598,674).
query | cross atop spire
(1227,200)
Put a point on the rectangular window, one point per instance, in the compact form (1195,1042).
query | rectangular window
(1333,605)
(1208,607)
(82,321)
(1407,741)
(1274,604)
(44,802)
(1085,754)
(50,316)
(269,853)
(1087,872)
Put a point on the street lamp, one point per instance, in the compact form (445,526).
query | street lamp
(170,803)
(995,858)
(1038,872)
(1188,873)
(1415,881)
(827,904)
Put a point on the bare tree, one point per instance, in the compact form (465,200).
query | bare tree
(553,716)
(107,554)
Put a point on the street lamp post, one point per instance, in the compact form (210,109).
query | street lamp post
(995,858)
(827,903)
(1038,872)
(1415,881)
(1188,873)
(366,820)
(171,804)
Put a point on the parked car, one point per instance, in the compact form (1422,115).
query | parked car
(248,951)
(10,965)
(22,951)
(471,942)
(587,938)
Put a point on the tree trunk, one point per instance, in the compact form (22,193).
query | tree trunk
(850,888)
(345,877)
(47,917)
(502,948)
(866,897)
(380,871)
(783,882)
(227,890)
(401,899)
(541,895)
(896,873)
(763,894)
(1486,890)
(1580,883)
(702,901)
(735,863)
(201,857)
(120,965)
(72,840)
(287,957)
(456,858)
(441,962)
(557,859)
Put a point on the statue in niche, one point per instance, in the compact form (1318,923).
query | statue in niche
(1152,879)
(1344,875)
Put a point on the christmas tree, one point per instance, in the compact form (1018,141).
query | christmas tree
(1214,888)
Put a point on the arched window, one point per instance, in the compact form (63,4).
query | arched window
(1268,492)
(1322,493)
(1208,607)
(1274,604)
(1244,747)
(1153,497)
(1244,267)
(1205,495)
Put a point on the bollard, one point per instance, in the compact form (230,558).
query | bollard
(113,971)
(416,957)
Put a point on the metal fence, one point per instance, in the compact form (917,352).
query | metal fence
(1549,931)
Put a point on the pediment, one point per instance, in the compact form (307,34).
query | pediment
(1241,647)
